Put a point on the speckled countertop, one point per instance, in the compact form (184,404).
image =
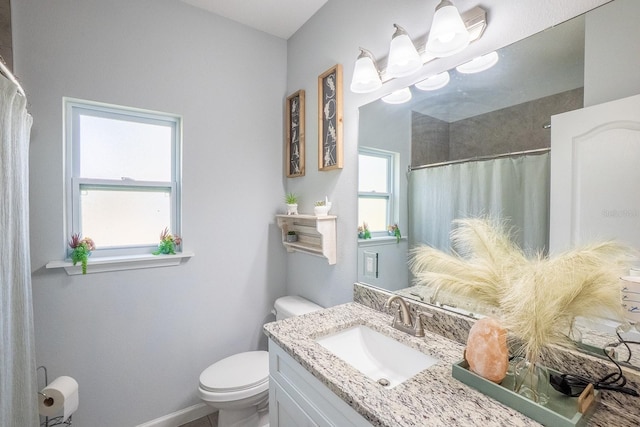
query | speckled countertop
(431,398)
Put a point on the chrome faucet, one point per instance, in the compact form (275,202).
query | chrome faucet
(402,318)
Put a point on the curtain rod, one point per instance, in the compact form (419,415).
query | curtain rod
(474,159)
(8,74)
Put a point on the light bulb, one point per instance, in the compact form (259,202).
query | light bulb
(403,56)
(448,34)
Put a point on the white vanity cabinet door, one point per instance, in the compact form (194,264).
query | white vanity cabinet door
(595,175)
(297,398)
(284,411)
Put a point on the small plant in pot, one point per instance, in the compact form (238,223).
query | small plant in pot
(291,199)
(168,243)
(363,231)
(394,230)
(81,250)
(292,236)
(321,208)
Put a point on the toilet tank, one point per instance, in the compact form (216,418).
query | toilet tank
(290,306)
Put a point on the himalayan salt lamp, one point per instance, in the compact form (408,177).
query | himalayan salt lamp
(487,352)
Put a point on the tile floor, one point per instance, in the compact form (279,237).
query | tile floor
(207,421)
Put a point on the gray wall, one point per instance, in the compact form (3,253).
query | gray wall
(612,61)
(137,340)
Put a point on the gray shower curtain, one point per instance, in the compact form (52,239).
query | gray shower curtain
(18,385)
(513,189)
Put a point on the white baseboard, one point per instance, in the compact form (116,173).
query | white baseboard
(180,417)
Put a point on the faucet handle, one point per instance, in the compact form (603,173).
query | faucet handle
(418,329)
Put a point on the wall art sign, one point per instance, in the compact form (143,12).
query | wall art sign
(294,142)
(330,119)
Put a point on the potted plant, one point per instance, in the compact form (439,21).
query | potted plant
(291,199)
(363,231)
(394,230)
(292,236)
(321,207)
(81,250)
(168,243)
(538,296)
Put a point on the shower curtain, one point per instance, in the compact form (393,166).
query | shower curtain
(18,385)
(513,189)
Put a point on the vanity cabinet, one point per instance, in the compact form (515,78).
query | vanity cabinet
(316,234)
(298,399)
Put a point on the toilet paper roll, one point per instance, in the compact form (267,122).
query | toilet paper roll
(59,398)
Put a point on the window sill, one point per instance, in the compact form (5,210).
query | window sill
(129,262)
(382,240)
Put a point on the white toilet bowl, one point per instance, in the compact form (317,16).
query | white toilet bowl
(238,386)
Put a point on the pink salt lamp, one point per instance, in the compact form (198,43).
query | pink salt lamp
(486,351)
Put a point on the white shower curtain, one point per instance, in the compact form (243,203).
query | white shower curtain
(18,385)
(513,189)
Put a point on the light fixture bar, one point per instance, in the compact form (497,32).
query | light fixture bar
(475,20)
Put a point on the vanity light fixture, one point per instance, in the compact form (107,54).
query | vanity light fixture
(481,63)
(366,77)
(403,55)
(398,97)
(399,64)
(435,82)
(448,34)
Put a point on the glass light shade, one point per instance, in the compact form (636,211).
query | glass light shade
(448,34)
(434,82)
(403,56)
(481,63)
(365,75)
(398,97)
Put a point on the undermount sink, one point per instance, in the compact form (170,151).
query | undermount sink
(379,357)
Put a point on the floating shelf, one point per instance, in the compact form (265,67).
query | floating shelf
(316,234)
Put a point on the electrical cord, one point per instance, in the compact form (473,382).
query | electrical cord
(625,343)
(573,385)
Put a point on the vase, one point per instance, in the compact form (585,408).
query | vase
(531,380)
(321,210)
(292,209)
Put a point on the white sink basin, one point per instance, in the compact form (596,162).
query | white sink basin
(379,357)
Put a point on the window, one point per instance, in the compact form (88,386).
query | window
(123,176)
(376,184)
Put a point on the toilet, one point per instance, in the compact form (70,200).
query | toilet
(238,385)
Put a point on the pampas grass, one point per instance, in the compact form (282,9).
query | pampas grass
(538,297)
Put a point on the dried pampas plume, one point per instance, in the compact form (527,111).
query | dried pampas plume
(538,297)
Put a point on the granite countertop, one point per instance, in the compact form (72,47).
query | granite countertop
(433,397)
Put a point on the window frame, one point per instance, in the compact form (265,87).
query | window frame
(391,159)
(73,110)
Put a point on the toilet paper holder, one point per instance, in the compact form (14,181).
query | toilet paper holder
(48,401)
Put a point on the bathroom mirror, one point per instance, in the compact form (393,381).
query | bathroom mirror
(505,109)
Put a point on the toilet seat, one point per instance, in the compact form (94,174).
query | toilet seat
(238,376)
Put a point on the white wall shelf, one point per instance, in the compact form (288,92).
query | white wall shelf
(316,234)
(117,263)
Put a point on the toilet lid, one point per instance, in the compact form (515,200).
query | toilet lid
(237,372)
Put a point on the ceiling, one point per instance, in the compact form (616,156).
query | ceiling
(281,18)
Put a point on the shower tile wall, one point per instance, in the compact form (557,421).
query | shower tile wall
(516,128)
(429,139)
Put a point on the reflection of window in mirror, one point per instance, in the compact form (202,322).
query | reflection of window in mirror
(377,180)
